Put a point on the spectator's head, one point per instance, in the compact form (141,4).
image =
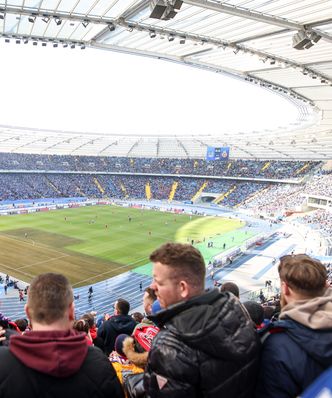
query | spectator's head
(50,303)
(149,298)
(255,311)
(178,273)
(81,325)
(121,307)
(269,311)
(22,324)
(89,318)
(301,277)
(137,317)
(4,321)
(118,345)
(230,287)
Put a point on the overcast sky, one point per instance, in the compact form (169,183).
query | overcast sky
(107,92)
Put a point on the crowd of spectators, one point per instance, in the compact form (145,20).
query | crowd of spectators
(319,185)
(251,349)
(32,186)
(231,168)
(320,220)
(278,198)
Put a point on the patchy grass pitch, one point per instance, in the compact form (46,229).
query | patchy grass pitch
(90,244)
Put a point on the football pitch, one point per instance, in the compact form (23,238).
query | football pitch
(93,243)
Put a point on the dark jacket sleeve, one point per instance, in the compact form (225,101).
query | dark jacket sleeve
(101,331)
(104,374)
(172,369)
(277,376)
(134,386)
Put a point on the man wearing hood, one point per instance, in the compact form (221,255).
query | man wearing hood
(207,345)
(119,323)
(52,360)
(298,347)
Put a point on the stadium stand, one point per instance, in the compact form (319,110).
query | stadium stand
(239,168)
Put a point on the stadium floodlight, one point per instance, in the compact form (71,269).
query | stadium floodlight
(18,41)
(26,41)
(164,9)
(65,45)
(315,37)
(44,44)
(55,45)
(7,40)
(72,46)
(2,15)
(82,46)
(85,23)
(152,34)
(301,40)
(309,45)
(182,40)
(111,26)
(171,37)
(32,19)
(58,20)
(46,19)
(35,43)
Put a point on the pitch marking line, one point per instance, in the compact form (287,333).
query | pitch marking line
(44,261)
(39,245)
(107,272)
(14,269)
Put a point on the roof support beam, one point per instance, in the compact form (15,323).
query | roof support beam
(136,9)
(245,13)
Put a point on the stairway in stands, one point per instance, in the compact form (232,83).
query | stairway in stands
(253,195)
(302,168)
(198,193)
(266,165)
(50,184)
(221,197)
(173,190)
(98,185)
(123,189)
(148,193)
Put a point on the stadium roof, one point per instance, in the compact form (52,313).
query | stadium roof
(281,45)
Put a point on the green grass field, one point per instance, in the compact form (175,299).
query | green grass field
(89,244)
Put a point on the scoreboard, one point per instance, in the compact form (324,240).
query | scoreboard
(217,153)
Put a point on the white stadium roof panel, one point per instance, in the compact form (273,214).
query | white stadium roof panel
(284,46)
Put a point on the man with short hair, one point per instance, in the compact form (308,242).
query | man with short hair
(52,360)
(119,323)
(230,287)
(298,347)
(207,345)
(149,298)
(143,334)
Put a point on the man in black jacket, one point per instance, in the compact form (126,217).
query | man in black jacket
(207,346)
(119,323)
(52,360)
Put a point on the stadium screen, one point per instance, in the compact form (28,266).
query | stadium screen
(217,153)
